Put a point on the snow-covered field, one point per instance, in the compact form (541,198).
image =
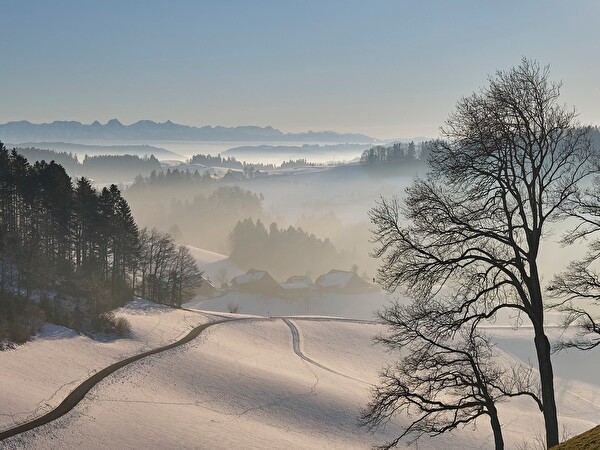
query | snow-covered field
(356,306)
(38,375)
(210,263)
(242,384)
(239,386)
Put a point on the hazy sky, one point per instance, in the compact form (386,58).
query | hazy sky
(385,68)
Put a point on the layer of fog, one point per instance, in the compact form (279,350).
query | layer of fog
(317,152)
(331,203)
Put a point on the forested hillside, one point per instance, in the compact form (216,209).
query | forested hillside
(98,167)
(284,252)
(398,153)
(71,253)
(196,209)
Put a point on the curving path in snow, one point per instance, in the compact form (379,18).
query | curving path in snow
(73,398)
(296,346)
(80,391)
(245,386)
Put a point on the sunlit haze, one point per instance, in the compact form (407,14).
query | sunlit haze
(316,224)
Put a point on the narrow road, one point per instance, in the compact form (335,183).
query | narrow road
(297,351)
(72,399)
(80,391)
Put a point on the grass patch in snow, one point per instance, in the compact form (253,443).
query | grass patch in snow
(584,441)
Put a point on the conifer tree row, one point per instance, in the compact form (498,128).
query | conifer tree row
(81,242)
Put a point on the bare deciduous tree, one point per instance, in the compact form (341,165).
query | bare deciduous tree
(443,379)
(511,158)
(167,271)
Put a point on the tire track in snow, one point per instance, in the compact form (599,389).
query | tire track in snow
(80,391)
(329,319)
(78,394)
(297,351)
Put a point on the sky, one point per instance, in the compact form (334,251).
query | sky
(384,68)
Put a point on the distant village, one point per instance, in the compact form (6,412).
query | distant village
(300,286)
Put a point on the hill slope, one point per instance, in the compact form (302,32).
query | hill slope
(585,441)
(261,383)
(81,149)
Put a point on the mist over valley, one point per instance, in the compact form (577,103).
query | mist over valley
(300,225)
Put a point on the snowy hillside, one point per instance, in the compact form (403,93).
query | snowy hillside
(210,263)
(59,359)
(356,306)
(256,383)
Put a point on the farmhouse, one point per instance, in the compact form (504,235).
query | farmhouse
(206,289)
(297,286)
(258,281)
(342,281)
(232,176)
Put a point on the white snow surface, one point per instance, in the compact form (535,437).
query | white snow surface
(240,385)
(38,375)
(356,306)
(292,286)
(204,257)
(210,263)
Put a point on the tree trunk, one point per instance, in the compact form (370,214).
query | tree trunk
(3,275)
(543,350)
(542,347)
(496,428)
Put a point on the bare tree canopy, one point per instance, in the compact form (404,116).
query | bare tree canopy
(577,289)
(511,158)
(443,380)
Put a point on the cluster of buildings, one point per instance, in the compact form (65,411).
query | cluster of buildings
(261,282)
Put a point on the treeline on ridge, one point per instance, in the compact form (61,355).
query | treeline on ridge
(283,252)
(397,153)
(407,153)
(229,162)
(100,167)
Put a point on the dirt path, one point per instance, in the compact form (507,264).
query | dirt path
(80,391)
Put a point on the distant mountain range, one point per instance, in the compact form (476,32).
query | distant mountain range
(147,130)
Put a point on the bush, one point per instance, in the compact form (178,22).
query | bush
(19,332)
(20,321)
(122,327)
(108,323)
(4,332)
(34,317)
